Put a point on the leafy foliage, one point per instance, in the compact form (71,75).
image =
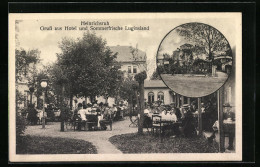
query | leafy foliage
(205,36)
(23,61)
(87,66)
(127,89)
(140,77)
(20,125)
(155,76)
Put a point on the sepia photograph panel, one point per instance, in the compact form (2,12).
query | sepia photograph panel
(194,59)
(125,87)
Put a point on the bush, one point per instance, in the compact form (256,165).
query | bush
(160,69)
(32,114)
(20,125)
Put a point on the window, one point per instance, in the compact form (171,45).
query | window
(129,69)
(150,97)
(160,96)
(134,69)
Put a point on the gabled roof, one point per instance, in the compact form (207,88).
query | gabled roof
(154,84)
(125,55)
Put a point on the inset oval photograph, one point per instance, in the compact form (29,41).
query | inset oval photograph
(194,59)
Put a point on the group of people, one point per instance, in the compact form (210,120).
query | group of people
(99,114)
(33,115)
(184,115)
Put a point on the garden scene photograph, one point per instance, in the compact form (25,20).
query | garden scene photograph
(194,59)
(107,95)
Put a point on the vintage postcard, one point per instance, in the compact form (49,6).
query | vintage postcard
(125,87)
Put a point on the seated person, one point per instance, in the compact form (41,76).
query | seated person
(95,110)
(173,115)
(106,117)
(101,107)
(168,116)
(82,113)
(121,111)
(164,113)
(147,110)
(178,113)
(147,117)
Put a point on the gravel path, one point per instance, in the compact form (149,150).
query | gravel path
(100,139)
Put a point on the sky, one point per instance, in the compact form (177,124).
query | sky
(31,37)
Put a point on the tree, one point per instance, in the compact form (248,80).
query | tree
(127,92)
(23,70)
(23,59)
(187,56)
(38,90)
(89,66)
(155,75)
(58,79)
(205,36)
(140,77)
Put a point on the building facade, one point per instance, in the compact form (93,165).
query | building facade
(133,61)
(156,90)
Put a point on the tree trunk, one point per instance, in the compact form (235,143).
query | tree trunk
(130,105)
(31,98)
(141,112)
(38,101)
(71,101)
(137,101)
(62,109)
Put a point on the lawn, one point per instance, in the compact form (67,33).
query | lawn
(48,145)
(134,143)
(193,86)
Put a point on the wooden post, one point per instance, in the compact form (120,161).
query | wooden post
(220,120)
(188,100)
(137,101)
(199,117)
(182,100)
(178,100)
(175,100)
(130,105)
(31,93)
(43,109)
(141,88)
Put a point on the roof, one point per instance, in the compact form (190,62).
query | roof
(154,84)
(125,55)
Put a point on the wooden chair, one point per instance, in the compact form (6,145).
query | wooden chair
(92,120)
(108,121)
(76,121)
(69,123)
(156,124)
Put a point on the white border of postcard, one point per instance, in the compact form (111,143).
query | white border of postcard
(237,156)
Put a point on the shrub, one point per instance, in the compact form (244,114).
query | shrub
(20,124)
(32,114)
